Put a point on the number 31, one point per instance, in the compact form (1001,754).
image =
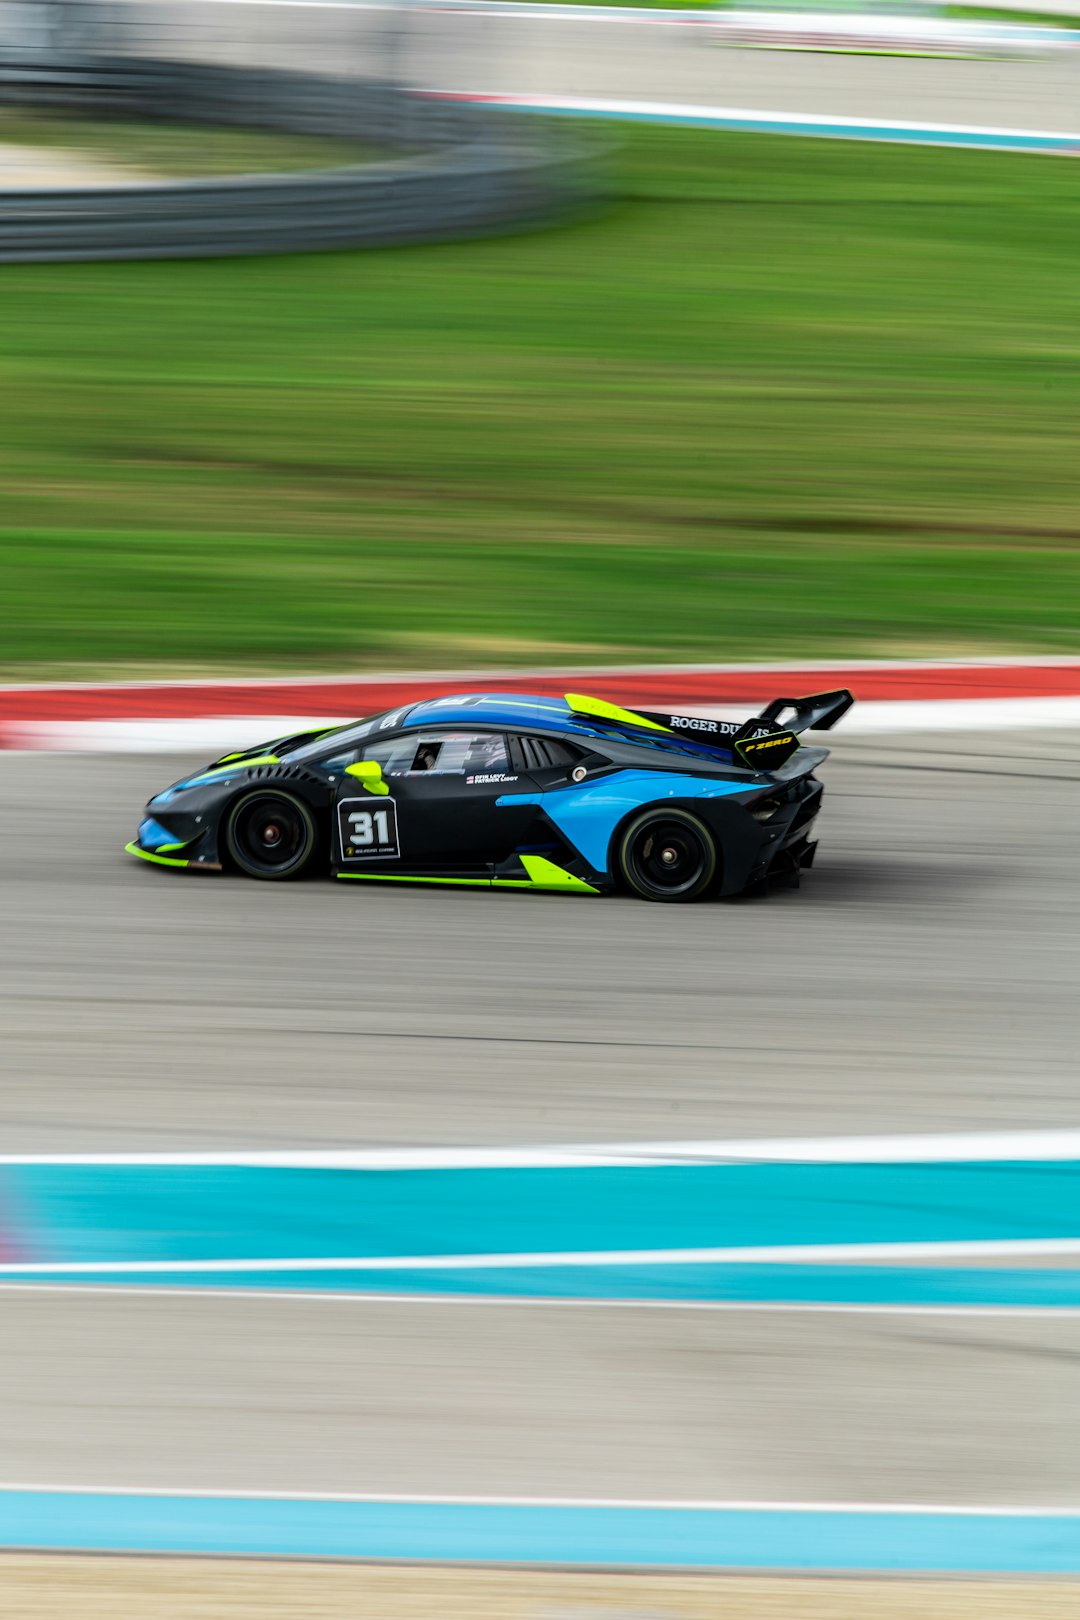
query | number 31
(364,832)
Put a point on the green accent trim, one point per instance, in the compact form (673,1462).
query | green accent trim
(239,759)
(544,874)
(158,860)
(602,710)
(403,877)
(164,849)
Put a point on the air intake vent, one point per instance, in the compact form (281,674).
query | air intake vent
(285,773)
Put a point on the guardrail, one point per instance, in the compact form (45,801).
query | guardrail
(462,170)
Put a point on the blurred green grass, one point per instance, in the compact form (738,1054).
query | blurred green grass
(787,397)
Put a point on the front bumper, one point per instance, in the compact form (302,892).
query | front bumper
(197,865)
(192,847)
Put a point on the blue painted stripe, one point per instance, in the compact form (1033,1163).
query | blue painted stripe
(846,129)
(116,1213)
(951,1287)
(713,1538)
(919,135)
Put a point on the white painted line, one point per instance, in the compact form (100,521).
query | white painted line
(786,1253)
(687,112)
(962,1147)
(692,1505)
(637,17)
(960,714)
(164,736)
(308,1296)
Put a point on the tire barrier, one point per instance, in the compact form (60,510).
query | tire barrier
(455,170)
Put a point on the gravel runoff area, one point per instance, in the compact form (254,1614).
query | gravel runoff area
(27,167)
(47,1588)
(44,148)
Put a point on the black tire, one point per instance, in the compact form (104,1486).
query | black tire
(271,835)
(667,855)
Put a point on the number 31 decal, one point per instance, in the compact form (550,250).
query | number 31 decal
(367,830)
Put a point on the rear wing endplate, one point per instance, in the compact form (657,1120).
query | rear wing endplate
(764,750)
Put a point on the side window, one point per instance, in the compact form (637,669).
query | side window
(442,753)
(347,745)
(545,753)
(394,754)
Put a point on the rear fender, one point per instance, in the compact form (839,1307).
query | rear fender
(739,839)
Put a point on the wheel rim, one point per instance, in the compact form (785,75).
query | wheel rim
(270,834)
(668,857)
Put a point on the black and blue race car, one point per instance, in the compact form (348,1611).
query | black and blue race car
(512,791)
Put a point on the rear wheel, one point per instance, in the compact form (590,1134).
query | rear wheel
(271,835)
(668,855)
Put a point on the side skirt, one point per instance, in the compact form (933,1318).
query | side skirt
(540,873)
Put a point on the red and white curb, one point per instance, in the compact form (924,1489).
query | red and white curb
(213,716)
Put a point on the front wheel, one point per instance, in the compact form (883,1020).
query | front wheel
(271,835)
(667,855)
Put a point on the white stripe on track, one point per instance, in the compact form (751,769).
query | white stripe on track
(689,112)
(689,1505)
(964,1147)
(765,1254)
(555,1301)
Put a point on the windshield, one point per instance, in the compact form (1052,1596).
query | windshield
(340,737)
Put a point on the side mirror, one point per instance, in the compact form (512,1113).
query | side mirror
(369,772)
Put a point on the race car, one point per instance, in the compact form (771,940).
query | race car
(512,791)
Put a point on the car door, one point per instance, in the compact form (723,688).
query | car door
(441,812)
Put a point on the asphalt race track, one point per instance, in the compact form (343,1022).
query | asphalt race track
(295,1394)
(923,979)
(527,53)
(635,61)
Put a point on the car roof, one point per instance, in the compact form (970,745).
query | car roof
(523,710)
(531,711)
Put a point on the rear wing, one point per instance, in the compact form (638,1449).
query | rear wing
(761,742)
(817,713)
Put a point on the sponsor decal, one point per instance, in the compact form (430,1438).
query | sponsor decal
(368,829)
(686,722)
(772,748)
(713,728)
